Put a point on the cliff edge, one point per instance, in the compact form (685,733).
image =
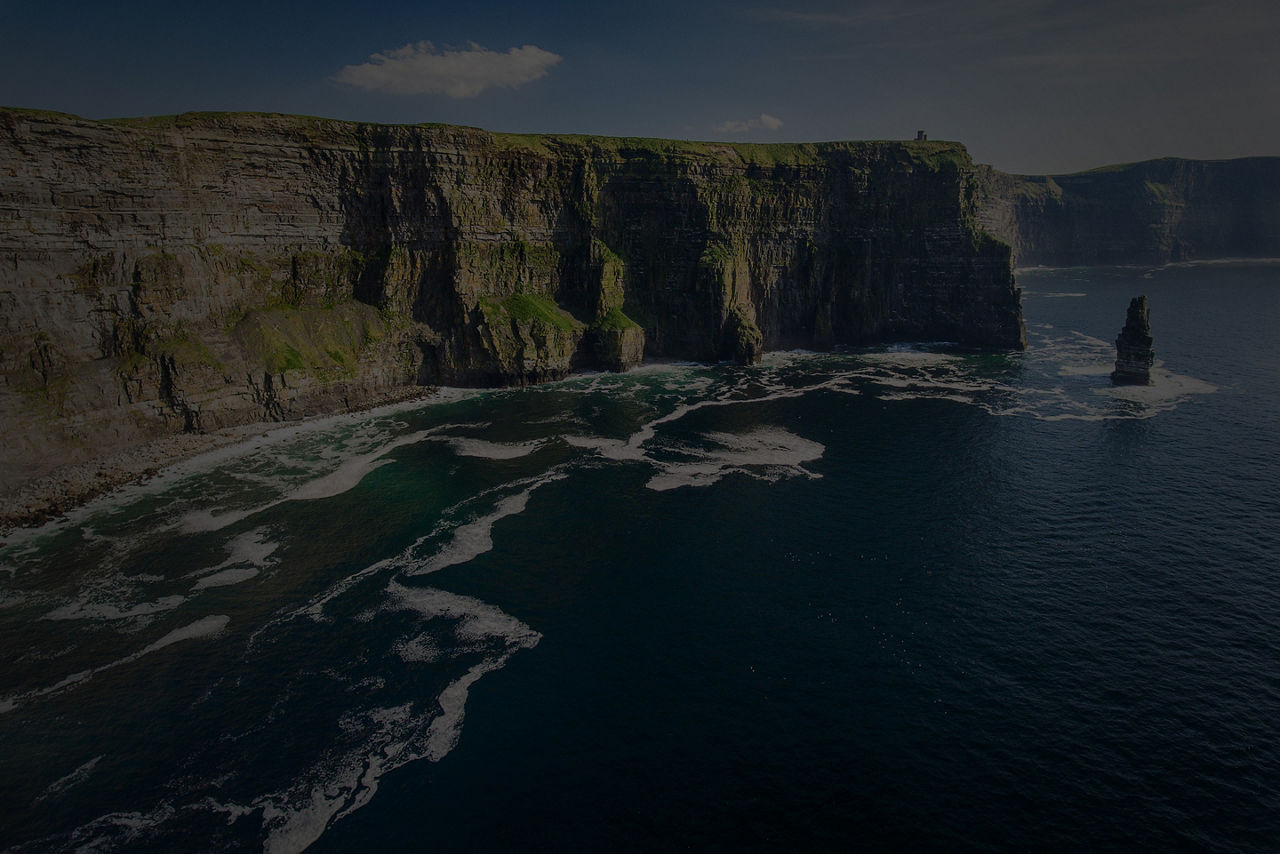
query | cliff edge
(194,272)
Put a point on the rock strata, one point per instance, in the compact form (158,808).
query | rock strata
(1134,356)
(192,273)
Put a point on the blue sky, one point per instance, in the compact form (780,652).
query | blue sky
(1028,85)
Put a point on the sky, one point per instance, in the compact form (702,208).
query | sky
(1030,86)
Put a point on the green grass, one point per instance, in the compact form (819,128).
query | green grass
(326,341)
(615,319)
(524,308)
(317,130)
(283,357)
(185,348)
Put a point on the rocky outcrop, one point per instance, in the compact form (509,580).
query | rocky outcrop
(1134,356)
(1154,212)
(206,270)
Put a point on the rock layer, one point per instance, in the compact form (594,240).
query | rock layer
(206,270)
(1134,355)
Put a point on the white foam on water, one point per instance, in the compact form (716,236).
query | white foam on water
(205,627)
(391,737)
(342,784)
(422,649)
(77,776)
(632,448)
(466,542)
(475,538)
(226,578)
(253,548)
(274,441)
(315,608)
(1222,262)
(89,609)
(618,450)
(1165,388)
(479,620)
(908,357)
(1086,370)
(111,832)
(445,731)
(353,470)
(349,473)
(944,384)
(931,395)
(465,447)
(204,521)
(766,453)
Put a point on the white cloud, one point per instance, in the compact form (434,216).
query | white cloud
(764,120)
(421,69)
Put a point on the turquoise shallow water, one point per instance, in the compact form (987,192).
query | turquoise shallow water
(886,598)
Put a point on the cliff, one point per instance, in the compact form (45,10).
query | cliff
(192,272)
(1154,212)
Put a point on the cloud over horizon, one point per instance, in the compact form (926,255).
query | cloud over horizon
(422,69)
(764,120)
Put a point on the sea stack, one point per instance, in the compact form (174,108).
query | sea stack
(1134,355)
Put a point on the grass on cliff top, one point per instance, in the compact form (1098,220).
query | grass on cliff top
(40,114)
(932,154)
(615,319)
(216,119)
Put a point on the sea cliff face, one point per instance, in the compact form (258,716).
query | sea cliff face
(1153,212)
(193,272)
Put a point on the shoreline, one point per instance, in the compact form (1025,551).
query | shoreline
(50,497)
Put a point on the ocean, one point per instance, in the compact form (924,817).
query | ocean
(905,597)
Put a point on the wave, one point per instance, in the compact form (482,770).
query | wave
(205,627)
(79,775)
(348,474)
(465,447)
(474,538)
(765,454)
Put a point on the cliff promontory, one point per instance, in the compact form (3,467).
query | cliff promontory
(192,272)
(1152,212)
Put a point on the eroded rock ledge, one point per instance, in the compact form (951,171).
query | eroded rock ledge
(201,271)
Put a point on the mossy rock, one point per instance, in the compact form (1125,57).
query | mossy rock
(615,342)
(327,342)
(742,341)
(527,308)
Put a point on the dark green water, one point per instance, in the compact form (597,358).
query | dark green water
(903,598)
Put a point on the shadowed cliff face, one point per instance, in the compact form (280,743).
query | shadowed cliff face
(192,272)
(1154,212)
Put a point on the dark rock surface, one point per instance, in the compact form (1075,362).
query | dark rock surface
(1134,356)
